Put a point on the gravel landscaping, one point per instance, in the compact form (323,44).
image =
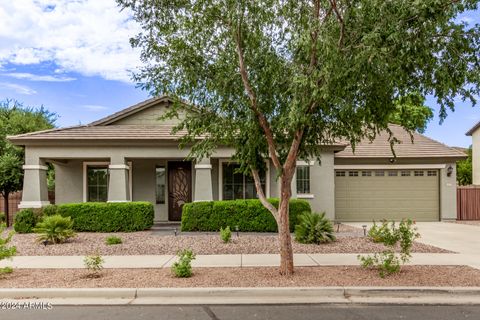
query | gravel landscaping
(451,276)
(147,242)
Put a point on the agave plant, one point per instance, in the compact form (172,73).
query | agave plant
(54,229)
(314,228)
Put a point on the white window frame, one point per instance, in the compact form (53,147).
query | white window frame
(220,177)
(104,163)
(309,164)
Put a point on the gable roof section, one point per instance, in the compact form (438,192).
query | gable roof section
(473,129)
(422,147)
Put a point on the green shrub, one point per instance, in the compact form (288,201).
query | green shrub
(3,217)
(50,210)
(112,240)
(6,251)
(388,261)
(225,234)
(183,267)
(109,217)
(381,233)
(25,220)
(314,228)
(94,264)
(54,229)
(248,215)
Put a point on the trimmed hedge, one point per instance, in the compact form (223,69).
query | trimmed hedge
(25,220)
(107,217)
(248,215)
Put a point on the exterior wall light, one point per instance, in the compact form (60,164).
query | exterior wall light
(449,171)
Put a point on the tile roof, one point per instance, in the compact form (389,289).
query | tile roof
(422,147)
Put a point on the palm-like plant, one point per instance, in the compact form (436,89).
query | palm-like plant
(314,228)
(54,229)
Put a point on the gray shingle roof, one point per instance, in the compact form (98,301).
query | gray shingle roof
(422,147)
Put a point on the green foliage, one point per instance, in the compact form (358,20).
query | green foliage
(112,240)
(11,173)
(54,229)
(94,264)
(183,267)
(50,210)
(248,215)
(109,217)
(314,228)
(412,113)
(25,220)
(464,170)
(3,217)
(6,251)
(389,261)
(225,234)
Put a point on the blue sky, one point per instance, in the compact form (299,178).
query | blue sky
(74,57)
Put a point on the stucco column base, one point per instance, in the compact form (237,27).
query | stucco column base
(203,181)
(35,189)
(118,187)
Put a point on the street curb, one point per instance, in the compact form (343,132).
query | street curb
(268,295)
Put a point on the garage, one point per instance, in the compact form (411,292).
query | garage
(366,195)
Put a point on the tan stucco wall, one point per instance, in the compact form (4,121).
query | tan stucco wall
(448,193)
(476,157)
(69,182)
(149,117)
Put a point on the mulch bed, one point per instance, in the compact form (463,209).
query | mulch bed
(148,243)
(243,277)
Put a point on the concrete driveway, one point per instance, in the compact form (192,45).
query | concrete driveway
(455,237)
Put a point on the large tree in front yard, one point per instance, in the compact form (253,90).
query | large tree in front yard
(278,79)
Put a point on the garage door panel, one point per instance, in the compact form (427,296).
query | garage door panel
(359,198)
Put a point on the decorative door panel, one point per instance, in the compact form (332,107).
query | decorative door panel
(179,188)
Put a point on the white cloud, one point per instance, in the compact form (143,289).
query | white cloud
(36,77)
(90,37)
(93,107)
(20,89)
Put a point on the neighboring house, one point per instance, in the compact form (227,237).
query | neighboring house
(131,155)
(475,134)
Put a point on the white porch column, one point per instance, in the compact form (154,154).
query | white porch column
(35,189)
(118,185)
(203,181)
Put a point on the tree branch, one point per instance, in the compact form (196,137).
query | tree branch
(261,195)
(333,3)
(253,100)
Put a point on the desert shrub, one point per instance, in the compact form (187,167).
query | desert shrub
(6,251)
(226,234)
(388,261)
(248,215)
(54,229)
(94,264)
(3,217)
(112,240)
(314,228)
(50,210)
(183,267)
(109,217)
(25,220)
(382,233)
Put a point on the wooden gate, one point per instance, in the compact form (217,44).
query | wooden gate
(468,203)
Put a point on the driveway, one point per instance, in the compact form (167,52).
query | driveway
(455,237)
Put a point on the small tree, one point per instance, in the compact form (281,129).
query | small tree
(464,170)
(287,77)
(11,176)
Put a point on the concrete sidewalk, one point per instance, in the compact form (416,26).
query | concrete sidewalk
(231,260)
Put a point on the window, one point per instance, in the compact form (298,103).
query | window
(303,179)
(418,173)
(340,173)
(392,173)
(239,186)
(366,173)
(353,173)
(405,173)
(431,173)
(379,173)
(97,183)
(160,184)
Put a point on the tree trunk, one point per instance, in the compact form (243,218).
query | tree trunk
(5,207)
(284,237)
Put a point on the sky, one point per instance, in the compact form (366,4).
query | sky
(74,57)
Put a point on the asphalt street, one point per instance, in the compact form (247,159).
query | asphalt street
(244,312)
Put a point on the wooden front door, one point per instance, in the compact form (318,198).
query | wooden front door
(179,188)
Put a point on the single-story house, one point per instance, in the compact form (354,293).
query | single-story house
(132,156)
(474,132)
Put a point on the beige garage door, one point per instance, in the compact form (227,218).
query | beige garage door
(366,195)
